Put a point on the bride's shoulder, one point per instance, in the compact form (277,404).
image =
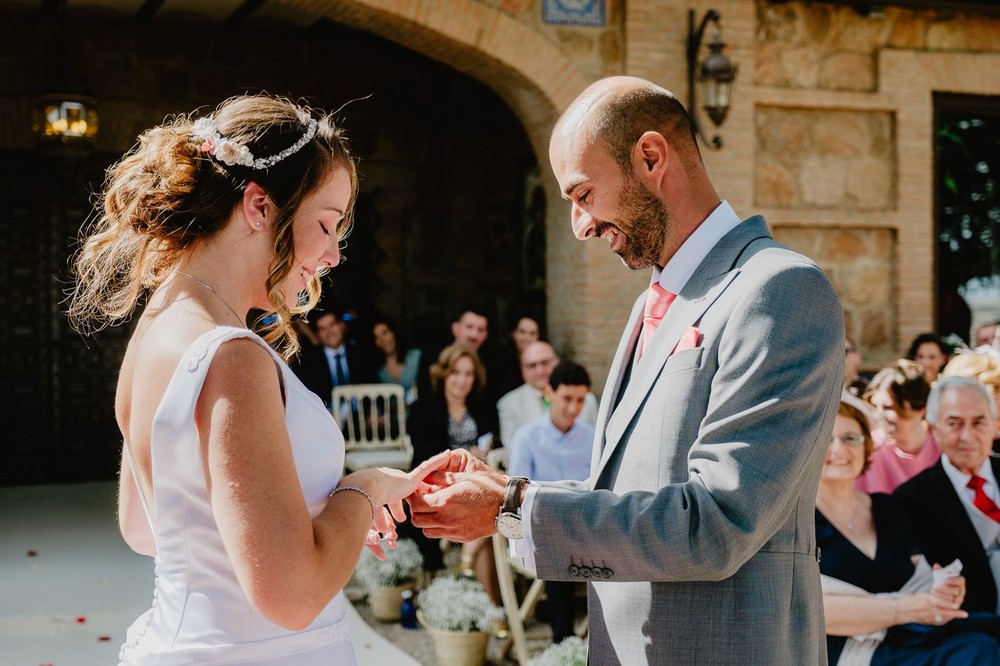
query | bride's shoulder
(163,341)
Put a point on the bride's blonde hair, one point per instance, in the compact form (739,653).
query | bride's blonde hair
(168,192)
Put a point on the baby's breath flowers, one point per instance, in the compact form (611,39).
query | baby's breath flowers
(458,604)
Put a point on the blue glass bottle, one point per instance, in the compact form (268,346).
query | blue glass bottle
(407,611)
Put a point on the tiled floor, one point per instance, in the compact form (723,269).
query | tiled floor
(69,586)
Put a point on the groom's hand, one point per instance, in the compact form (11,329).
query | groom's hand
(463,500)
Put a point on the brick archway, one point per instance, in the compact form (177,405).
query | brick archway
(534,77)
(537,81)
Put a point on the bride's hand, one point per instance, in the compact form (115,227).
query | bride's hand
(382,534)
(386,485)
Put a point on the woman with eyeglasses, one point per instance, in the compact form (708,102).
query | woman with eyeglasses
(875,581)
(454,415)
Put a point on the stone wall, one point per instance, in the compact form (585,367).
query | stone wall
(843,147)
(860,264)
(833,47)
(824,159)
(597,51)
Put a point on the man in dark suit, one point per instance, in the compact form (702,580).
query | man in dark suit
(470,327)
(953,505)
(334,362)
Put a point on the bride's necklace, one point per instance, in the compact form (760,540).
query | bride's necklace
(848,524)
(242,320)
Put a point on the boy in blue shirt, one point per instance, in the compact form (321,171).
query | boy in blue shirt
(557,447)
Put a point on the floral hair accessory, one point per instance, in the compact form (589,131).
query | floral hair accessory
(231,152)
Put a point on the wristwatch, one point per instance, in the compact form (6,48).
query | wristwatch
(508,521)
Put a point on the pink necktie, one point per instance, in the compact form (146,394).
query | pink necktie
(981,500)
(658,300)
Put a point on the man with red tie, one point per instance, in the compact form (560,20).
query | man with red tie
(953,505)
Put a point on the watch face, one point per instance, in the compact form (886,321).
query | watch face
(509,525)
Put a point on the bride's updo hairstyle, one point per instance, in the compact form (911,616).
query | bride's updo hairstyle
(181,183)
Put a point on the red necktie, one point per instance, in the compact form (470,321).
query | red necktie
(981,501)
(658,300)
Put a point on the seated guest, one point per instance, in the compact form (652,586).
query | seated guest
(953,505)
(898,394)
(986,336)
(525,332)
(471,327)
(451,415)
(554,447)
(984,367)
(855,383)
(399,365)
(928,350)
(874,577)
(527,402)
(334,362)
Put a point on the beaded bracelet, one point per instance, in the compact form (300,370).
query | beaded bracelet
(358,490)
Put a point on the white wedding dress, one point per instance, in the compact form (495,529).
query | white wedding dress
(200,614)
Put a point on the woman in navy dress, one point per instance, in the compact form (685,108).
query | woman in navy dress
(865,541)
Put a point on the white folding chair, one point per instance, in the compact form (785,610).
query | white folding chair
(517,612)
(508,569)
(373,419)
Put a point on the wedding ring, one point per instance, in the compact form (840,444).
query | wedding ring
(938,619)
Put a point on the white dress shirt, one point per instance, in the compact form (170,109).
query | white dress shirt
(335,356)
(960,480)
(671,277)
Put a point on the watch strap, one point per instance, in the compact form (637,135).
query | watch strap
(512,495)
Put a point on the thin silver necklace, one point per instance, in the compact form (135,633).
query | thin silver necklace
(221,299)
(849,523)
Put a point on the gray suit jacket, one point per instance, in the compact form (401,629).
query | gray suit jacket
(698,521)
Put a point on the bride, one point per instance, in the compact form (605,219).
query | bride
(231,469)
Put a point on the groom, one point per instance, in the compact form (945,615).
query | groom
(695,530)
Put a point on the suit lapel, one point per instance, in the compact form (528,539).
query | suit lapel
(951,509)
(703,289)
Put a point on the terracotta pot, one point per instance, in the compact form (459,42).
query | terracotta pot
(385,601)
(458,648)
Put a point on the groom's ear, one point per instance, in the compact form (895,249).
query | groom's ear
(650,159)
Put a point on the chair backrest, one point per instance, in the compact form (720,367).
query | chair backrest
(372,416)
(497,458)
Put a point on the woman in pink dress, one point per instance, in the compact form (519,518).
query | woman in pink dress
(898,394)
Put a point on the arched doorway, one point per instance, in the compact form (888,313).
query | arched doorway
(451,190)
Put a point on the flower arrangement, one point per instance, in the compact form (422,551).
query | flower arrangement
(401,564)
(571,651)
(458,604)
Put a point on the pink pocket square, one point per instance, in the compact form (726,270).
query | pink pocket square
(690,339)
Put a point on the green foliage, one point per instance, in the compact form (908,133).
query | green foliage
(968,198)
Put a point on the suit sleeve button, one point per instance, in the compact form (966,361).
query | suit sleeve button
(585,572)
(574,570)
(608,573)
